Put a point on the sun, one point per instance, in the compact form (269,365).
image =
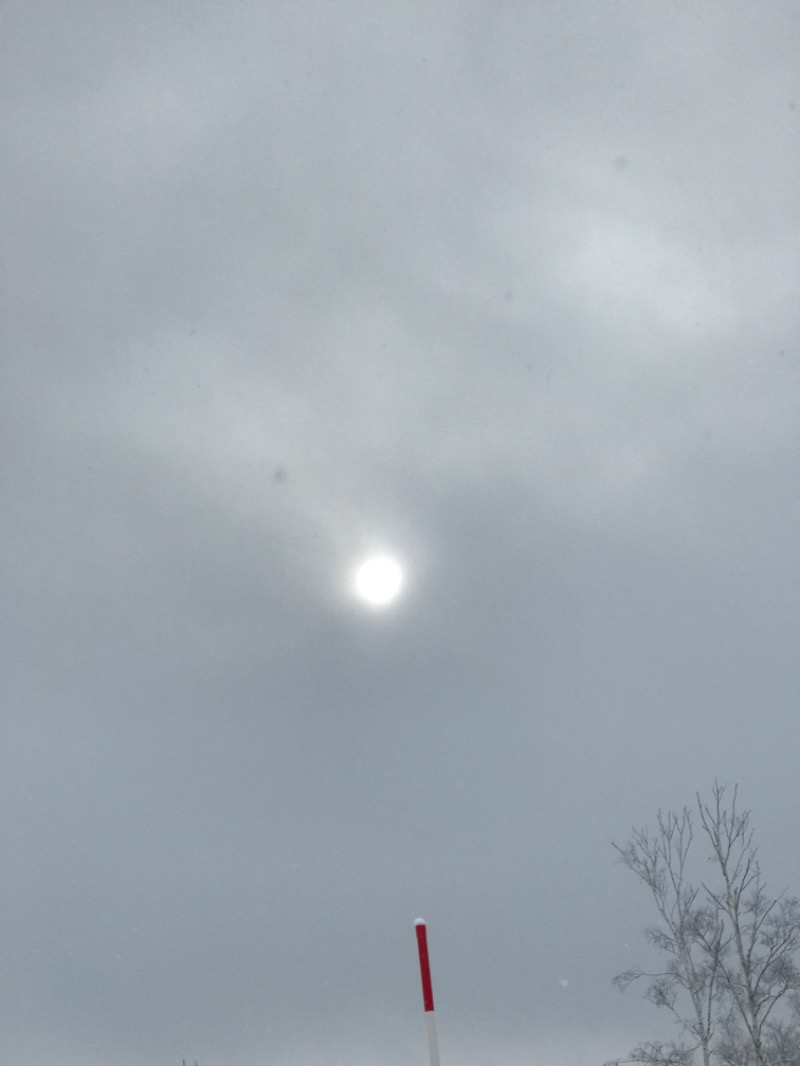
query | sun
(378,580)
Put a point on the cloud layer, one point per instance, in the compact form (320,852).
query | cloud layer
(507,290)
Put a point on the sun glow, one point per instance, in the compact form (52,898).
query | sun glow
(378,581)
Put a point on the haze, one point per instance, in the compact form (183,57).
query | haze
(510,288)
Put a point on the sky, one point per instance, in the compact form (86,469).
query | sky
(505,290)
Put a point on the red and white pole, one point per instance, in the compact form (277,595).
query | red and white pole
(427,990)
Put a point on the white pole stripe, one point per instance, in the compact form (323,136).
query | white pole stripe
(433,1042)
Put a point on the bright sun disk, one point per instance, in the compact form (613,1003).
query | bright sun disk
(379,580)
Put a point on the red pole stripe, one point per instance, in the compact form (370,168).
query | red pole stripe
(424,965)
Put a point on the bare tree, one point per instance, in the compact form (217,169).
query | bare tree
(690,934)
(783,1036)
(730,948)
(760,969)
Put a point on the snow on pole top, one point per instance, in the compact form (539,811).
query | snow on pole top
(419,921)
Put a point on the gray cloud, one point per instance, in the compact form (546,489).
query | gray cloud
(510,292)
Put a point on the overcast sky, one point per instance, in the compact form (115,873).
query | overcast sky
(507,289)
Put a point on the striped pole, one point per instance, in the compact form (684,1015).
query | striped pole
(427,990)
